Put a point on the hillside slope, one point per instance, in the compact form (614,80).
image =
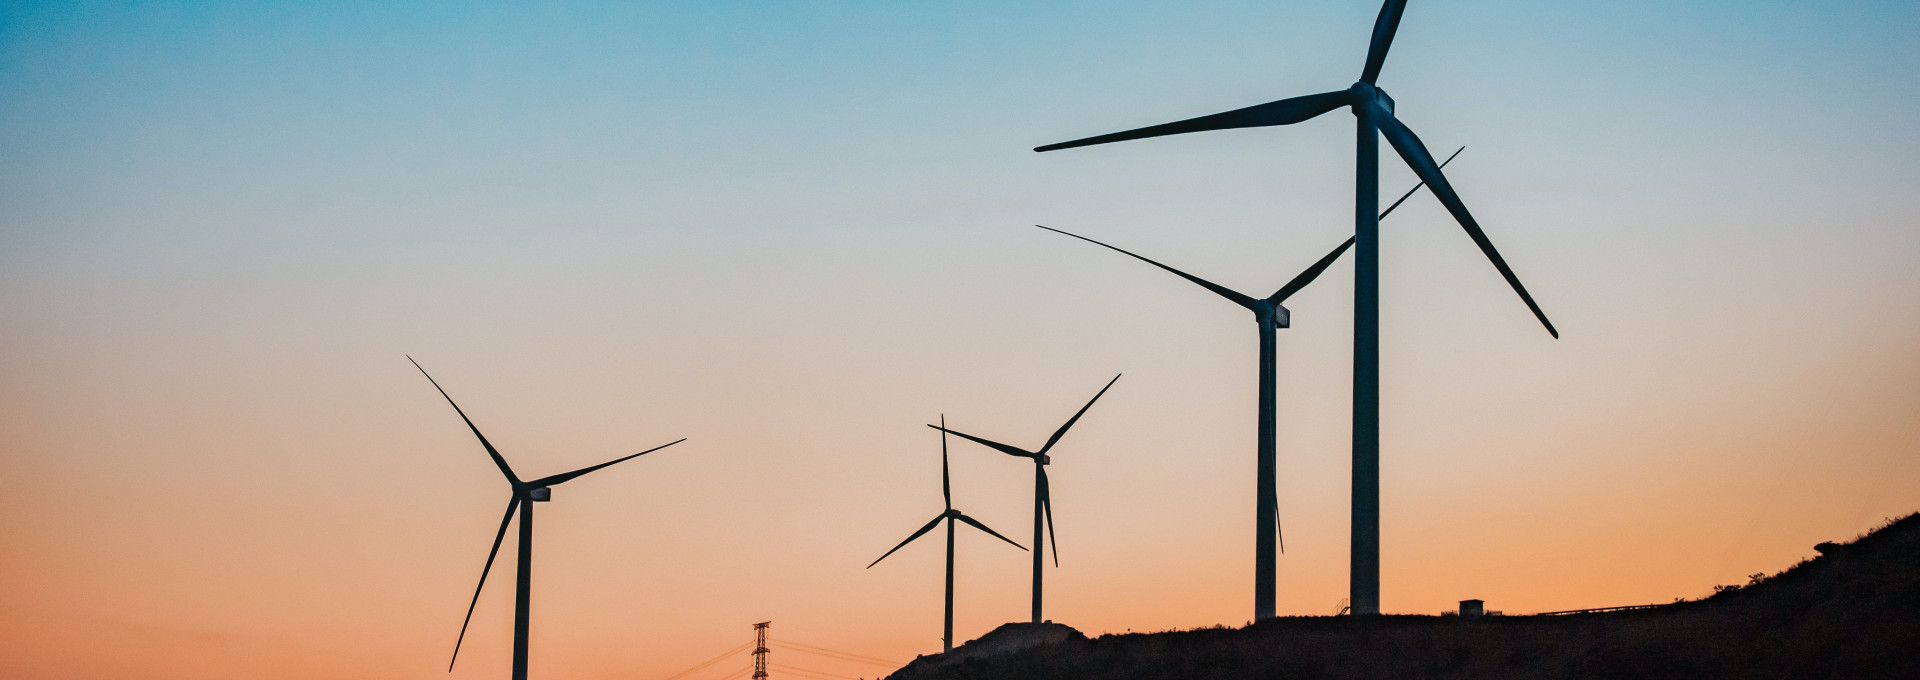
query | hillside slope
(1852,612)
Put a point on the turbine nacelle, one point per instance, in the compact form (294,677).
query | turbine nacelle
(1365,94)
(540,494)
(1268,311)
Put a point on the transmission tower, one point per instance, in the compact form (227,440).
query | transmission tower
(760,649)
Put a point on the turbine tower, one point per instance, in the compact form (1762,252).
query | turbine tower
(1270,315)
(524,495)
(1374,116)
(1042,493)
(949,515)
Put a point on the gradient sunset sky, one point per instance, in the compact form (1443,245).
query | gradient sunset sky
(797,232)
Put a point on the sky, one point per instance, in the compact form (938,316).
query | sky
(795,233)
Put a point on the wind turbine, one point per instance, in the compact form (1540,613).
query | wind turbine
(1042,494)
(948,515)
(1373,112)
(1270,315)
(525,494)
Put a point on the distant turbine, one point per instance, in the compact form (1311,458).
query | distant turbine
(1373,110)
(1042,494)
(525,494)
(950,514)
(1269,314)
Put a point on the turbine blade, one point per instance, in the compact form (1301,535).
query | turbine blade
(946,478)
(1313,272)
(1279,533)
(1383,29)
(1237,298)
(504,521)
(1046,501)
(564,476)
(1310,274)
(1416,187)
(977,525)
(1283,112)
(1057,434)
(1416,156)
(497,459)
(922,532)
(997,446)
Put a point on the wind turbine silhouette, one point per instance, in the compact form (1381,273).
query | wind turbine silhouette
(1042,493)
(1373,111)
(949,515)
(1270,314)
(525,494)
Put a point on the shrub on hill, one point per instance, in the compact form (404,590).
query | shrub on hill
(1851,612)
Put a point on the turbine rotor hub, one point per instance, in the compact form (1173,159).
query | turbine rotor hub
(1269,312)
(1364,94)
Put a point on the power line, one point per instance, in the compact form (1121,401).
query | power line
(761,649)
(810,674)
(722,657)
(848,656)
(841,657)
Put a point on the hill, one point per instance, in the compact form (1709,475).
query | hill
(1851,612)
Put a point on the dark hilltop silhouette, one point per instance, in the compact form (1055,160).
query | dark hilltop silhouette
(1853,611)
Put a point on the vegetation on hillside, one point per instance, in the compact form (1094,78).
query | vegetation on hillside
(1851,612)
